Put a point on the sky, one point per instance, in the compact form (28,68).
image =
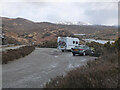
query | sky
(91,11)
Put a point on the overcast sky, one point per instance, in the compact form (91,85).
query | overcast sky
(93,12)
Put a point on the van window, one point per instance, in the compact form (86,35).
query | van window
(73,42)
(76,42)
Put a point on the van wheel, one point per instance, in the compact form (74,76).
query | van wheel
(73,54)
(84,53)
(62,50)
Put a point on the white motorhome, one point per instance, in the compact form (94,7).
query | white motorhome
(66,43)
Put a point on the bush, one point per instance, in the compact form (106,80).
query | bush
(100,73)
(117,44)
(101,49)
(98,48)
(46,35)
(13,54)
(49,44)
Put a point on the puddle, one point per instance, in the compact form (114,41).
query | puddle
(56,56)
(72,66)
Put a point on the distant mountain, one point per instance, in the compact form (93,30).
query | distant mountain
(26,31)
(73,23)
(109,25)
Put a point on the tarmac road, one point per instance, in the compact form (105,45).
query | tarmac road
(10,47)
(34,70)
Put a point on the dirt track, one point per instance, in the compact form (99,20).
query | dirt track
(36,69)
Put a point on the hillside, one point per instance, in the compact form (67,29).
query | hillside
(26,31)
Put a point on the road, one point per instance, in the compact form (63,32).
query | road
(11,47)
(34,70)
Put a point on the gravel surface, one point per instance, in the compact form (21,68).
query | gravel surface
(34,70)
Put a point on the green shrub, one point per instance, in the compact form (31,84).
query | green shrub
(101,49)
(117,44)
(98,48)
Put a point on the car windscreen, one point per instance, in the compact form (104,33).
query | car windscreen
(78,47)
(61,43)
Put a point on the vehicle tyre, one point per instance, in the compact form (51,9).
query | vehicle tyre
(91,54)
(84,53)
(73,54)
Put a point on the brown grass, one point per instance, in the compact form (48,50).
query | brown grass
(48,44)
(96,74)
(13,54)
(100,73)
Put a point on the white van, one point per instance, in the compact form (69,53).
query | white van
(66,43)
